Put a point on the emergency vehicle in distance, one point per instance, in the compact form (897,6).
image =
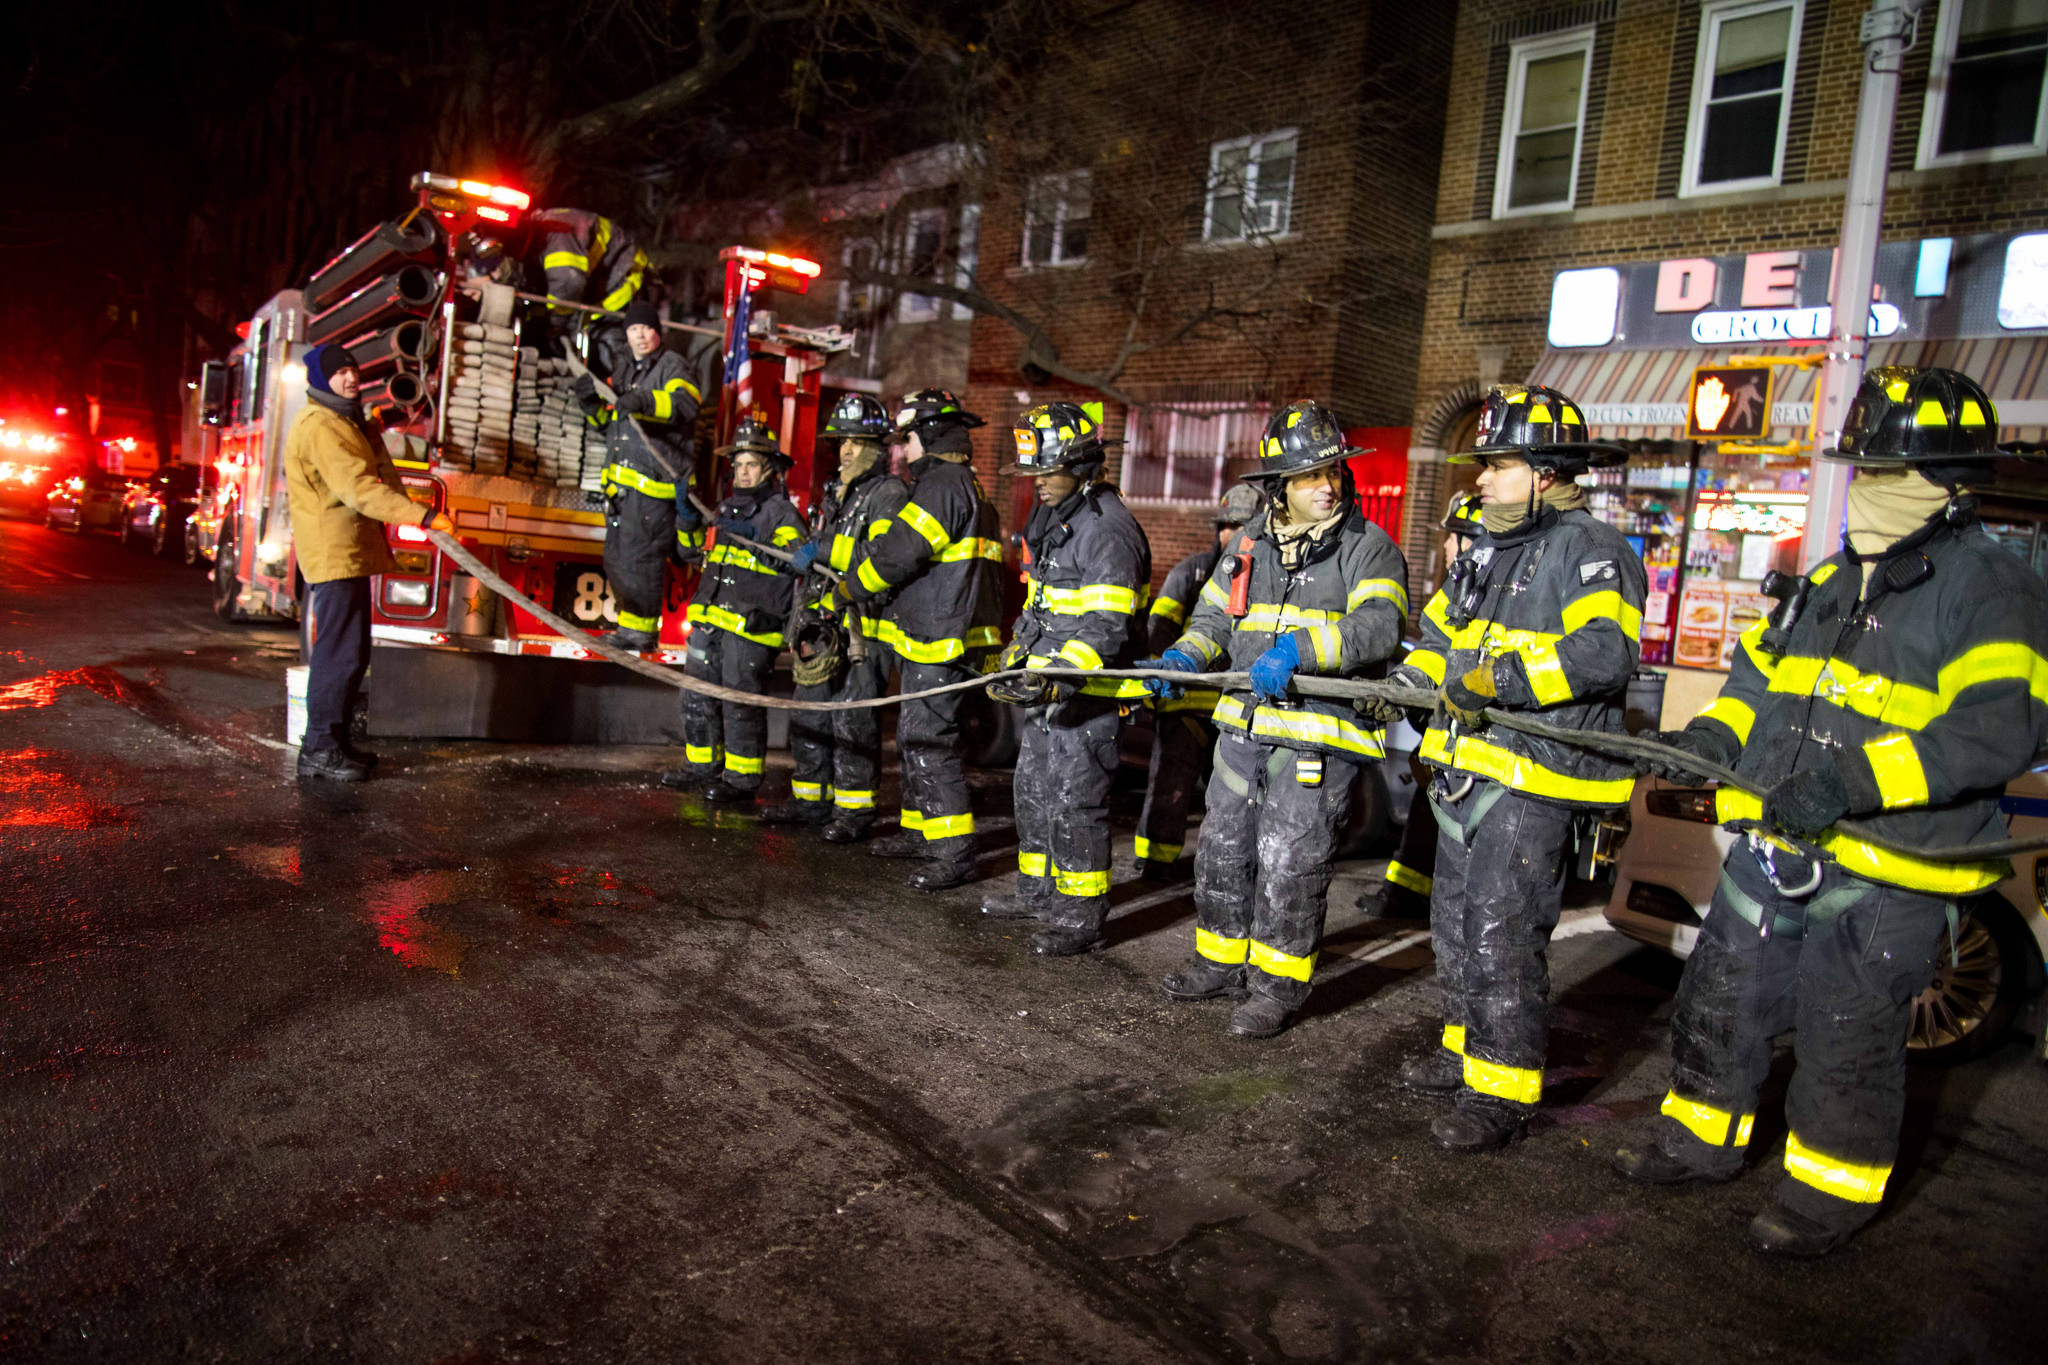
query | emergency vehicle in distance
(395,298)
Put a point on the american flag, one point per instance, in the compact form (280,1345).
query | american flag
(739,360)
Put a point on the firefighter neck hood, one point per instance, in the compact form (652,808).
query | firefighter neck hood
(1298,540)
(1886,507)
(950,443)
(1563,496)
(856,459)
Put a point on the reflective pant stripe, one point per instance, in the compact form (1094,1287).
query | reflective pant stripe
(1508,1082)
(807,791)
(635,621)
(1080,883)
(1843,1180)
(1400,874)
(1454,1038)
(1268,959)
(735,763)
(847,800)
(947,826)
(910,819)
(1031,864)
(1161,853)
(1710,1125)
(1231,952)
(703,755)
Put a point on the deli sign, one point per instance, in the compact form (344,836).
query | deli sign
(1993,284)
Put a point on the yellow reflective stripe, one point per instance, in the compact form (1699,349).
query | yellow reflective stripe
(926,525)
(1328,644)
(1842,1179)
(1517,1083)
(929,652)
(1400,874)
(617,300)
(740,558)
(909,819)
(847,800)
(1276,963)
(1901,781)
(1381,589)
(702,613)
(1905,705)
(1430,662)
(1199,699)
(1484,759)
(1603,606)
(1285,725)
(1080,883)
(1079,653)
(970,547)
(1546,674)
(785,536)
(635,621)
(1710,1125)
(1215,596)
(1824,573)
(565,260)
(842,552)
(1734,713)
(1231,952)
(690,540)
(664,398)
(1158,853)
(877,527)
(703,755)
(634,479)
(869,579)
(1274,617)
(807,791)
(1454,1038)
(1915,874)
(1081,601)
(1753,649)
(1170,609)
(1031,864)
(946,826)
(1438,613)
(600,236)
(1200,648)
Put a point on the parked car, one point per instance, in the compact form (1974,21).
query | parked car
(24,484)
(154,513)
(1671,862)
(89,498)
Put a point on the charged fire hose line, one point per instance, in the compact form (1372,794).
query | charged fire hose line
(1626,747)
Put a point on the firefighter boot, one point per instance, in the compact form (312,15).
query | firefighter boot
(1438,1072)
(689,777)
(723,793)
(1652,1165)
(847,827)
(1260,1016)
(1061,941)
(796,812)
(904,843)
(1479,1128)
(1204,980)
(1013,905)
(633,641)
(331,764)
(1779,1231)
(950,863)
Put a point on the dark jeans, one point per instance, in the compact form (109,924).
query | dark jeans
(335,641)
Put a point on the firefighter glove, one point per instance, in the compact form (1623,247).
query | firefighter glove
(1807,802)
(1171,661)
(686,511)
(1387,712)
(1468,697)
(634,401)
(585,390)
(1672,767)
(803,556)
(1032,689)
(1273,670)
(737,526)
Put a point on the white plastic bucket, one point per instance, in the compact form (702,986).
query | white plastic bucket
(295,704)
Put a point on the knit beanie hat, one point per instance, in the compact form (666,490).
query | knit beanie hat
(643,313)
(325,361)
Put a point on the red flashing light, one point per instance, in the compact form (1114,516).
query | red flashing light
(242,330)
(497,194)
(797,264)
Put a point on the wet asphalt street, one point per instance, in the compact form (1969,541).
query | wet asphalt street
(507,1055)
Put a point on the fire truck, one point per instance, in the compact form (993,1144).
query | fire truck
(449,658)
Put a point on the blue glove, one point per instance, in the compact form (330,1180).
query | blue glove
(1273,670)
(803,556)
(1174,660)
(735,527)
(686,511)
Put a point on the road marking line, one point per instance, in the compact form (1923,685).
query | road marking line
(1593,922)
(1400,943)
(271,742)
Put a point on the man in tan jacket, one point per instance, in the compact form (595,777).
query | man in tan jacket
(342,486)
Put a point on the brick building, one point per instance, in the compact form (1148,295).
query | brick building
(1638,187)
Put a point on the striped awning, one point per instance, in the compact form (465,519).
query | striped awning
(1640,395)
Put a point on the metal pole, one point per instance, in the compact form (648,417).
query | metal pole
(1887,31)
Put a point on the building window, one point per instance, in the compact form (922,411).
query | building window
(1191,452)
(1742,91)
(1056,219)
(1251,188)
(856,297)
(924,237)
(1984,91)
(1546,114)
(967,258)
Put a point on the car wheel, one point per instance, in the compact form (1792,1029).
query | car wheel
(1976,990)
(160,537)
(125,533)
(191,539)
(227,587)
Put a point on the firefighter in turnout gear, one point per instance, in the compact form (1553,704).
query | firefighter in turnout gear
(839,754)
(1900,684)
(937,568)
(1088,574)
(736,620)
(1542,614)
(648,516)
(1182,734)
(1309,586)
(587,258)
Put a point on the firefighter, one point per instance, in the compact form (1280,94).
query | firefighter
(648,515)
(1088,572)
(936,567)
(1543,613)
(1902,685)
(736,620)
(839,754)
(1410,873)
(1310,585)
(1182,733)
(587,258)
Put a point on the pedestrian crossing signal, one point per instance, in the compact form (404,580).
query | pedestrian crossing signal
(1729,403)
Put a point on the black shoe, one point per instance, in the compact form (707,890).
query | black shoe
(1204,981)
(942,876)
(633,641)
(1438,1072)
(907,844)
(1011,906)
(1653,1166)
(1395,902)
(1779,1231)
(1059,942)
(362,756)
(1478,1130)
(844,829)
(796,813)
(1260,1016)
(688,778)
(723,793)
(1156,871)
(332,764)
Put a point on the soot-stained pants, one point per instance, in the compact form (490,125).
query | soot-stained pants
(639,533)
(716,731)
(1181,744)
(1839,966)
(838,754)
(1066,761)
(1499,886)
(934,775)
(1262,870)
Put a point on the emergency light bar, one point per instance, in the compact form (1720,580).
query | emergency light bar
(773,268)
(459,203)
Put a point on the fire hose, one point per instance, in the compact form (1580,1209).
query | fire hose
(1628,748)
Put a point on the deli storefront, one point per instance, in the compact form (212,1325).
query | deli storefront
(1712,517)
